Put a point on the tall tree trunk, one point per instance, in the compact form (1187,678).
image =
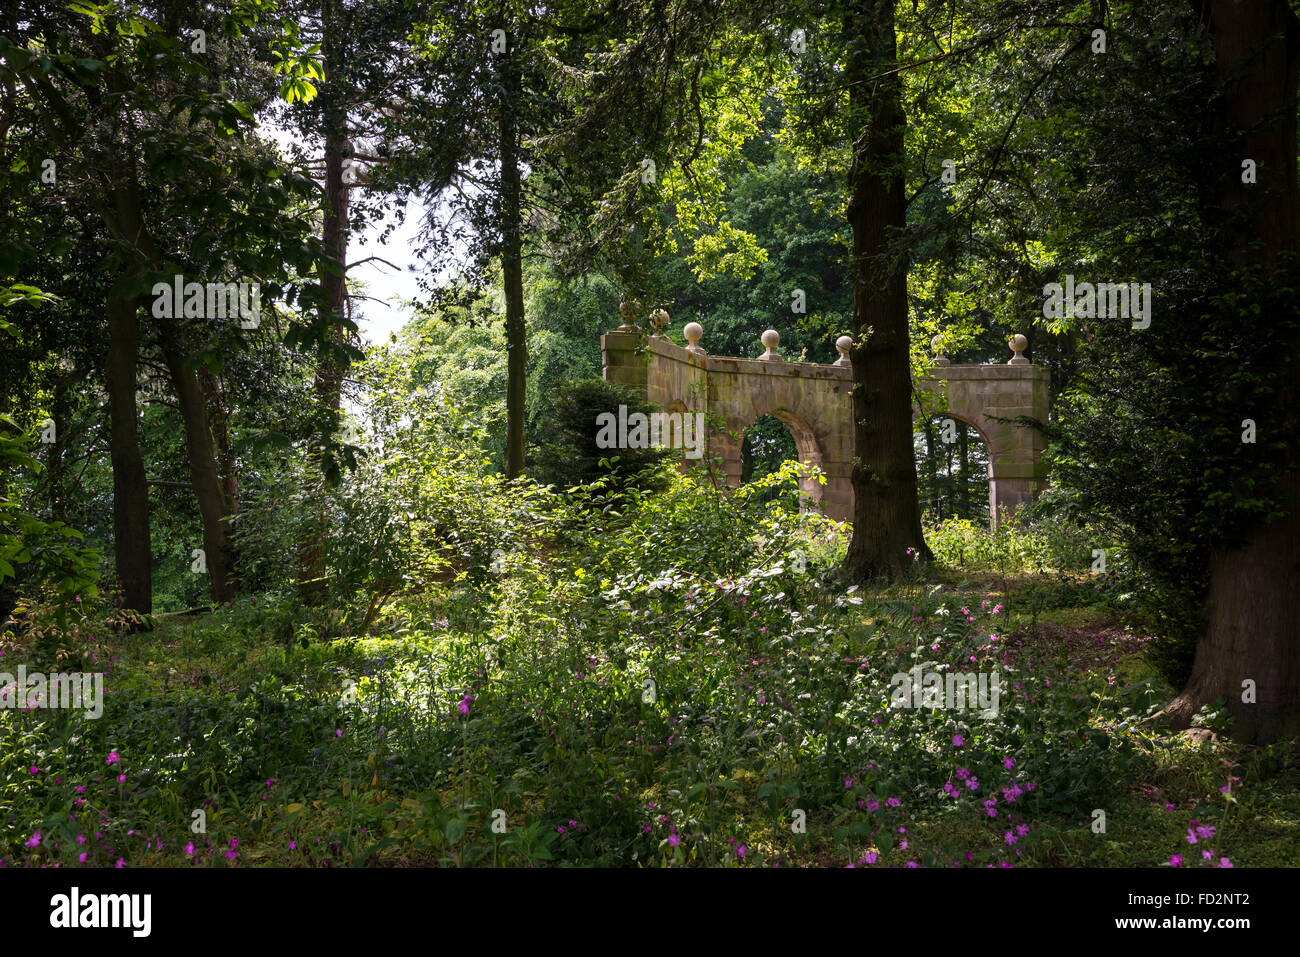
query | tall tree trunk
(123,214)
(132,548)
(886,514)
(512,266)
(334,237)
(219,419)
(1253,631)
(204,476)
(333,307)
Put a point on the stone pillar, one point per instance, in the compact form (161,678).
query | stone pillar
(837,443)
(837,494)
(620,363)
(1011,484)
(1017,472)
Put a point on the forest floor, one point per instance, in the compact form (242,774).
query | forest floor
(222,745)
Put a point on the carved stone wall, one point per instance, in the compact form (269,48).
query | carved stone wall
(813,400)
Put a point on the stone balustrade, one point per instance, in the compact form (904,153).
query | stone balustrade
(814,402)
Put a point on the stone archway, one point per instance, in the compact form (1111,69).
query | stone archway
(814,401)
(940,415)
(806,442)
(990,398)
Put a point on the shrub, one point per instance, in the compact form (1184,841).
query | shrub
(566,454)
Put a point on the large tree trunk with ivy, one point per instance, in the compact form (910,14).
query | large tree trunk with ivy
(886,513)
(1253,631)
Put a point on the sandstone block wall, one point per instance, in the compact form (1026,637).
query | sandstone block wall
(814,402)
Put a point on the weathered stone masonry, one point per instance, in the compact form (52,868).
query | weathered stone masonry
(813,401)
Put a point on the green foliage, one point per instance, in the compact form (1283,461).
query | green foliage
(1151,441)
(565,324)
(658,682)
(1019,543)
(768,444)
(794,218)
(612,659)
(769,691)
(566,449)
(49,549)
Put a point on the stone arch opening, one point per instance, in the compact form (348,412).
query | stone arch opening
(802,443)
(954,468)
(764,447)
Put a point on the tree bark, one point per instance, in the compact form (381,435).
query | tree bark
(333,307)
(132,548)
(204,476)
(1253,631)
(512,267)
(334,238)
(886,514)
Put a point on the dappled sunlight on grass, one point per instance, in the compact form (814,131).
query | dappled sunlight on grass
(611,708)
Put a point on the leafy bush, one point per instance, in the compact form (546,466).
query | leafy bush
(49,549)
(565,452)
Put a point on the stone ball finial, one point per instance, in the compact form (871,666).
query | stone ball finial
(693,332)
(771,339)
(939,358)
(843,344)
(659,322)
(629,309)
(1018,345)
